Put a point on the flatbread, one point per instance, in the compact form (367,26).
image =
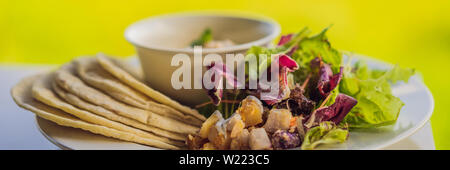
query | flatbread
(42,91)
(93,74)
(118,70)
(66,79)
(22,95)
(76,101)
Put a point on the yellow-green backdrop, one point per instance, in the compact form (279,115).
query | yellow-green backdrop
(408,32)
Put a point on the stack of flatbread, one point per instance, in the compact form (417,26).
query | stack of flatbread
(106,96)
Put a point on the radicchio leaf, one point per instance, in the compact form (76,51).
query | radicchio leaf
(334,113)
(328,81)
(284,39)
(325,80)
(216,93)
(292,51)
(286,65)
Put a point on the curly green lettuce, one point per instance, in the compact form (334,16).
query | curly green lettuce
(326,133)
(377,106)
(316,46)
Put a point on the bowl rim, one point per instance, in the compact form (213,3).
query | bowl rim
(262,19)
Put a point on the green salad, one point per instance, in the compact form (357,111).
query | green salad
(325,97)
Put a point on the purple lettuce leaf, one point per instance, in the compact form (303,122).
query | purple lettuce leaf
(286,65)
(216,93)
(292,51)
(324,79)
(327,81)
(284,39)
(342,105)
(334,113)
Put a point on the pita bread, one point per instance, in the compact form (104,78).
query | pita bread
(22,95)
(66,79)
(119,71)
(93,74)
(76,101)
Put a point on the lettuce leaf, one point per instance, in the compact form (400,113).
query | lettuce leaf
(286,45)
(257,51)
(372,88)
(399,74)
(315,46)
(333,95)
(326,133)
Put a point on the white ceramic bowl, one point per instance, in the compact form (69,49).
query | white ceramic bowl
(158,39)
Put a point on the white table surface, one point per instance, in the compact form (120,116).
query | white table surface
(18,130)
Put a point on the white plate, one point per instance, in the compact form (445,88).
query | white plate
(419,105)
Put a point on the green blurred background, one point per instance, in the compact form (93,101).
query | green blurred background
(408,32)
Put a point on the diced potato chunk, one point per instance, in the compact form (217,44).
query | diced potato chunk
(216,137)
(233,120)
(210,122)
(235,125)
(259,140)
(219,136)
(241,141)
(237,129)
(278,119)
(251,111)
